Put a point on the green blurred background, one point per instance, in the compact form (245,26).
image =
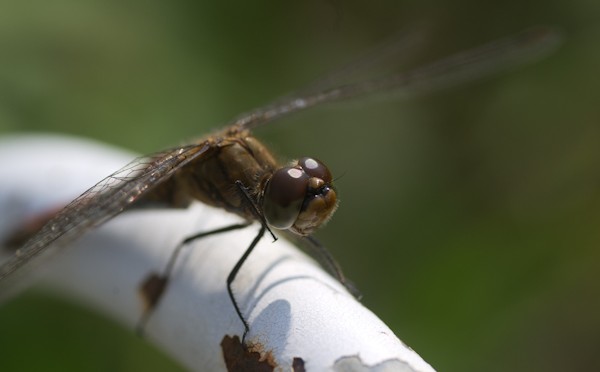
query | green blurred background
(469,217)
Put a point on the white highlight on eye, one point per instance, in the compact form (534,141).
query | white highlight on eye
(311,164)
(295,173)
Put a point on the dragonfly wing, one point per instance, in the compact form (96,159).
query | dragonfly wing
(382,59)
(485,60)
(103,201)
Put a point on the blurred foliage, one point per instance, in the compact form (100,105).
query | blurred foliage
(469,217)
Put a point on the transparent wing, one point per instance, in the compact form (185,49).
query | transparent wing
(487,59)
(384,58)
(116,192)
(103,201)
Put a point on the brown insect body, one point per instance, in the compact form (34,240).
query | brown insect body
(233,157)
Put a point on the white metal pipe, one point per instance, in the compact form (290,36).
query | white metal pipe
(294,308)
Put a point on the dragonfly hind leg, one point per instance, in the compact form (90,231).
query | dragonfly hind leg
(153,287)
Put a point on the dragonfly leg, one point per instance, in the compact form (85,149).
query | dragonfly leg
(328,261)
(233,274)
(153,287)
(255,209)
(263,227)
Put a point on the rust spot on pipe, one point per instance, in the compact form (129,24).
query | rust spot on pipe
(151,290)
(239,357)
(298,365)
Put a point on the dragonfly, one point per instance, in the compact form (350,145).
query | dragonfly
(233,170)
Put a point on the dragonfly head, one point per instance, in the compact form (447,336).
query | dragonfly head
(300,197)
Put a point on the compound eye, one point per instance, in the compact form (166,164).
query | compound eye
(314,168)
(284,196)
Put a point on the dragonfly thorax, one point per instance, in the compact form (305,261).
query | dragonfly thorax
(299,197)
